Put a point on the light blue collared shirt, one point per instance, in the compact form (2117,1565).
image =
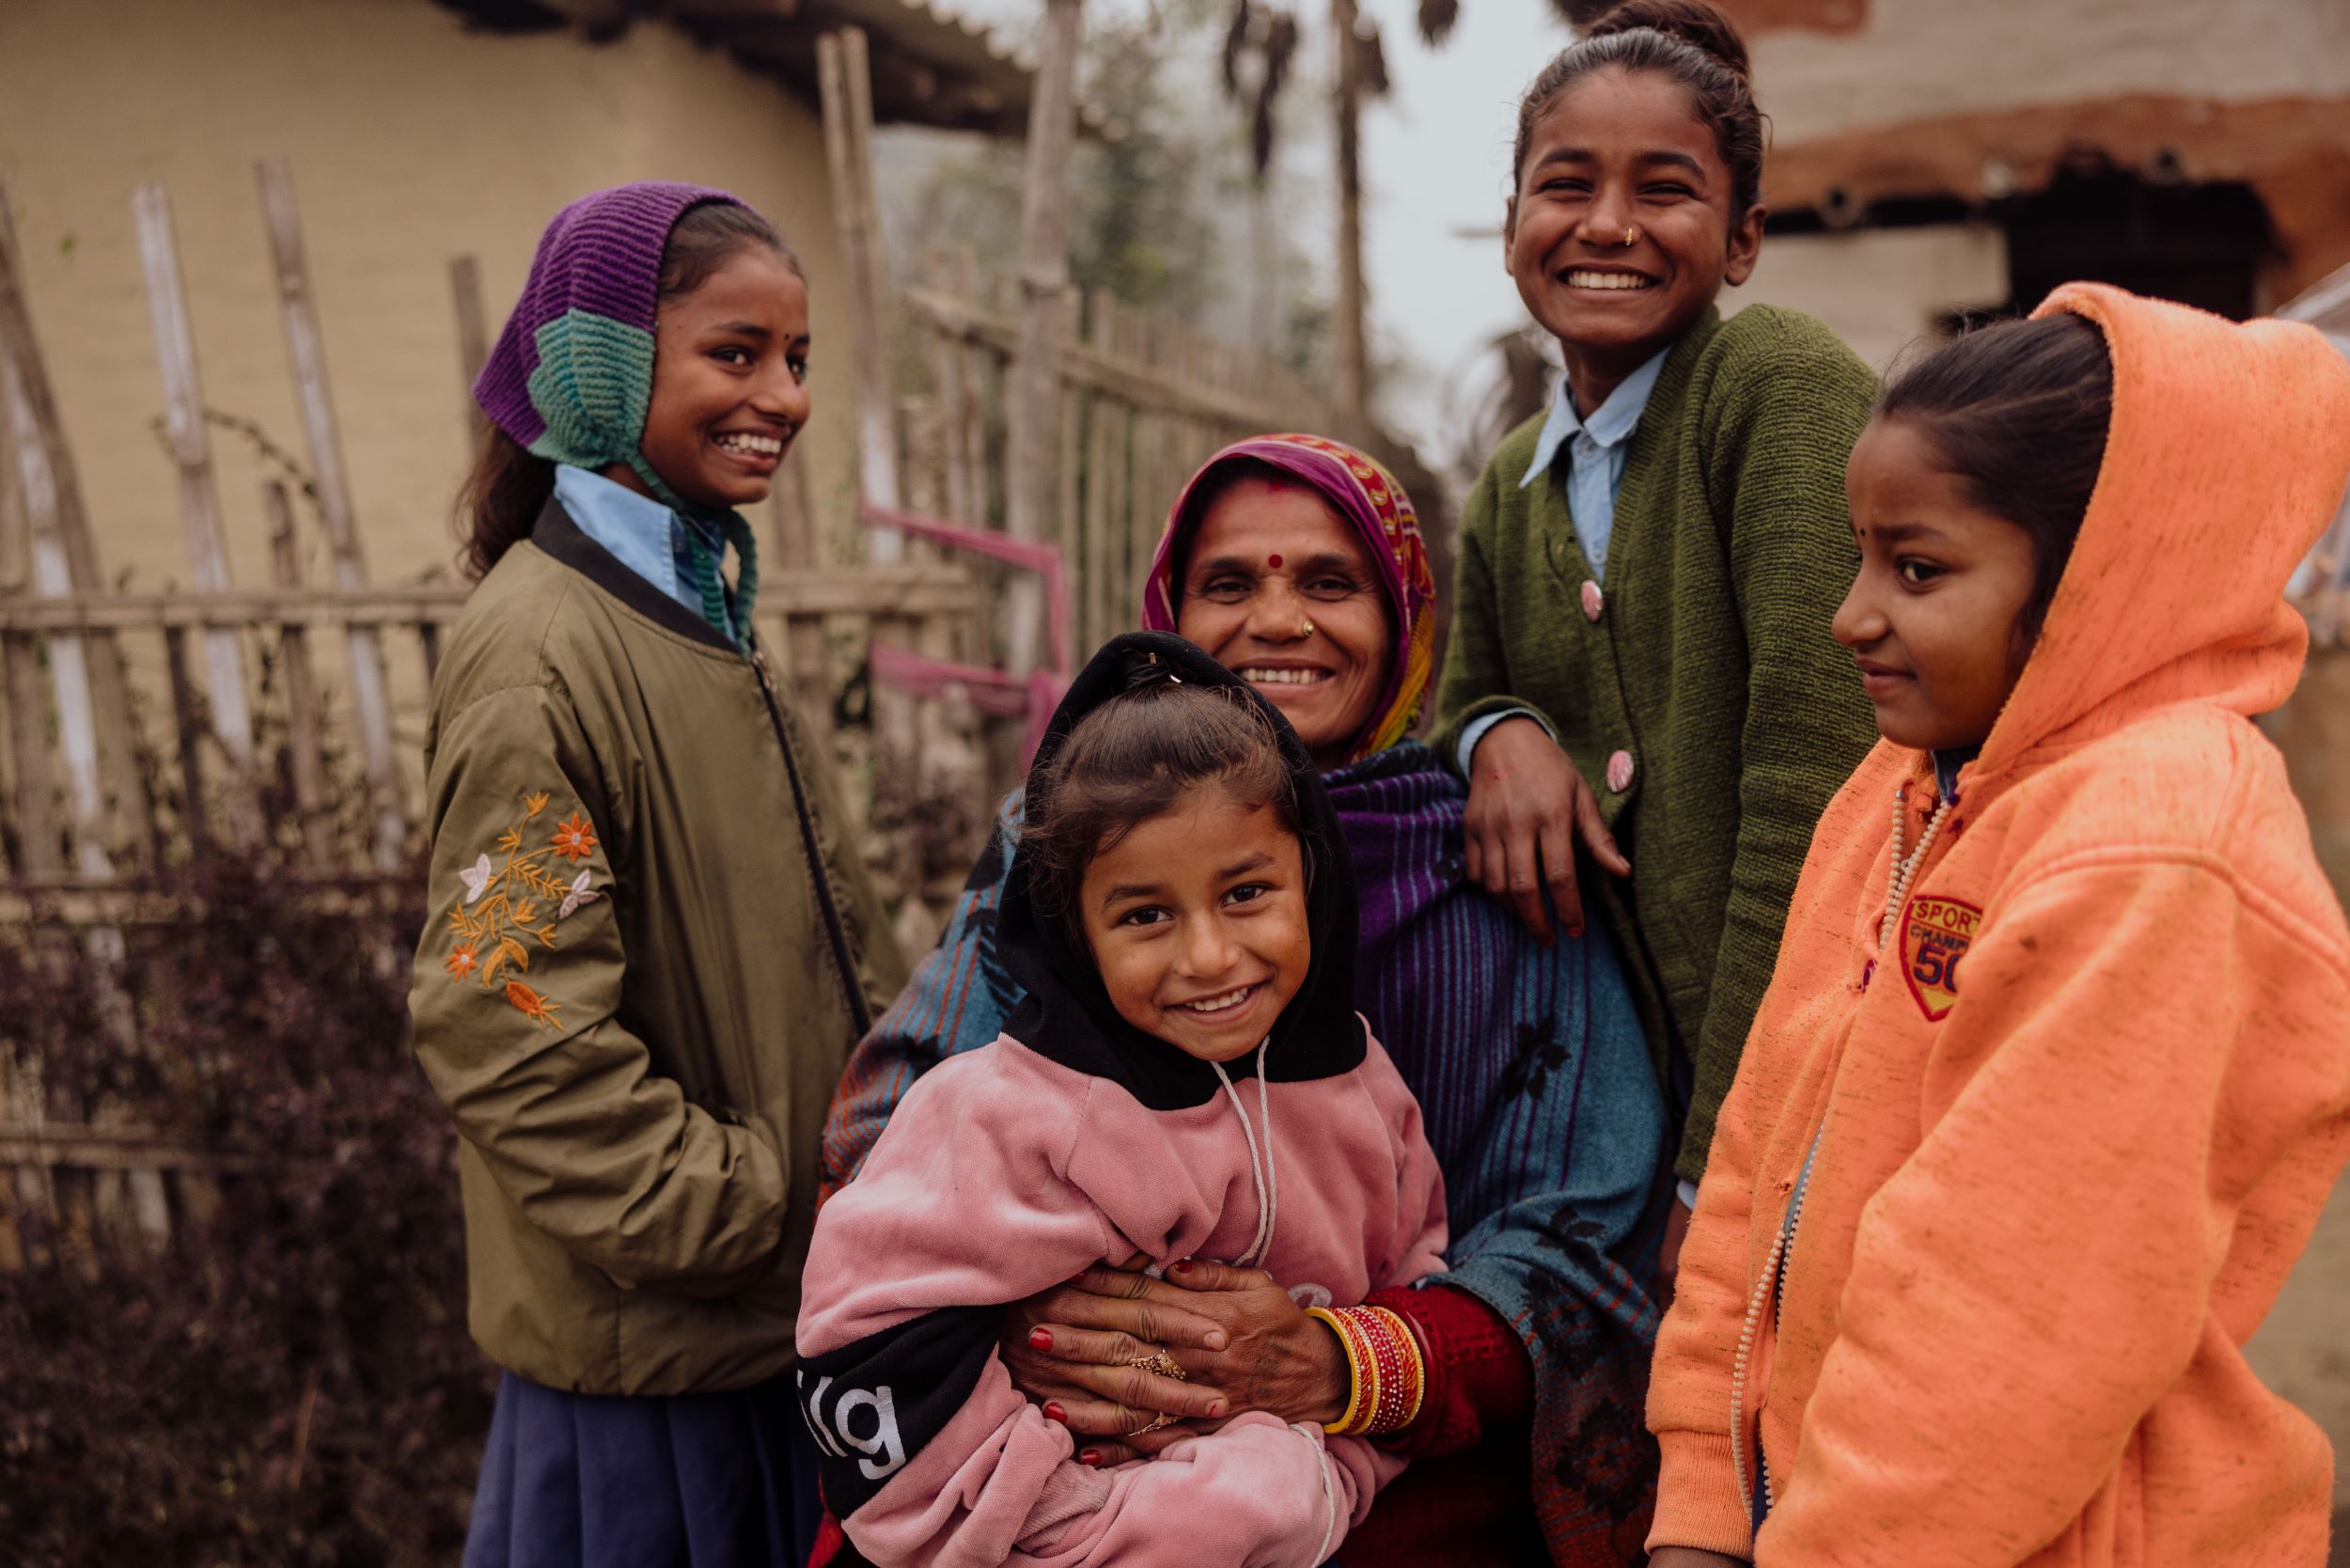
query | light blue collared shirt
(1597,450)
(641,533)
(1594,480)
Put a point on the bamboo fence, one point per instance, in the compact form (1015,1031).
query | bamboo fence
(145,732)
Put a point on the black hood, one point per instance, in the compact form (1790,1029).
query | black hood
(1067,1015)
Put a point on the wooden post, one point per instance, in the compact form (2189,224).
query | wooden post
(37,826)
(845,85)
(956,272)
(69,661)
(473,338)
(199,504)
(370,699)
(16,545)
(1351,373)
(32,787)
(100,729)
(1033,400)
(1126,435)
(303,724)
(1089,570)
(191,738)
(1069,520)
(807,658)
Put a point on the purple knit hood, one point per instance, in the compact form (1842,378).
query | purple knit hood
(571,375)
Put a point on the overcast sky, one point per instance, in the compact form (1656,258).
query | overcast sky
(1436,158)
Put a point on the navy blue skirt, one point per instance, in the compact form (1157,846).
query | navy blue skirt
(684,1480)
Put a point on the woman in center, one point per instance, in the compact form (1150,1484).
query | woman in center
(1296,561)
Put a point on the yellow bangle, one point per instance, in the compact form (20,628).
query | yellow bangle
(1354,1371)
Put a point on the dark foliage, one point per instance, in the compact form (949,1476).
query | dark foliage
(1271,36)
(289,1379)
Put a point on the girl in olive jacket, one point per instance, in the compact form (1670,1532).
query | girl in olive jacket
(650,944)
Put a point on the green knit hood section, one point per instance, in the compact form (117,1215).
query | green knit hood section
(593,385)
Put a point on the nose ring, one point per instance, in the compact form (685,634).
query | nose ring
(1631,235)
(1305,629)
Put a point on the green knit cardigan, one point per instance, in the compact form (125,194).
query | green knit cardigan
(1710,664)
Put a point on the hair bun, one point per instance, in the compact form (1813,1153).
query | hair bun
(1694,22)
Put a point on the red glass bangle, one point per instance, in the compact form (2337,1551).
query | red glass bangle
(1388,1376)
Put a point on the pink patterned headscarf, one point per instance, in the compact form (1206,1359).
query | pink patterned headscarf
(1359,490)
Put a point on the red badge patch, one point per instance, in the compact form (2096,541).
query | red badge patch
(1934,936)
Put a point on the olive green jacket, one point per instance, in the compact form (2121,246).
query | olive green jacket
(650,945)
(1709,664)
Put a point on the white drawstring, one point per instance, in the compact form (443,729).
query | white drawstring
(1268,1176)
(1329,1491)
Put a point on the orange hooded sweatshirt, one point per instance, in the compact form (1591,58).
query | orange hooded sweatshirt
(2075,1124)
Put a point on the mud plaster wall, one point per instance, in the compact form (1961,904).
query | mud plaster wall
(1923,59)
(1915,96)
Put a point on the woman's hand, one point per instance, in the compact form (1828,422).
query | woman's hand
(1693,1557)
(1073,1348)
(1242,1342)
(1527,806)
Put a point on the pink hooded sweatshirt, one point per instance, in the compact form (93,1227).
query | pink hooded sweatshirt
(1074,1140)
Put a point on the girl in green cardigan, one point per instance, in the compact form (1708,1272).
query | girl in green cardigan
(1640,660)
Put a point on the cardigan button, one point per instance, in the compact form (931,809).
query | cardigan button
(1593,601)
(1619,772)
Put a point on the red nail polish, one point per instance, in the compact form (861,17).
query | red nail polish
(1053,1412)
(1090,1456)
(1040,1339)
(1182,1265)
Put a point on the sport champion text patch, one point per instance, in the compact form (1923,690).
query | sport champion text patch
(1934,936)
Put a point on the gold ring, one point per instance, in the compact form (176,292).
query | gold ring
(1153,1424)
(1305,629)
(1161,1362)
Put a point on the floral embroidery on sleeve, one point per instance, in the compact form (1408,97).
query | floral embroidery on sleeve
(515,901)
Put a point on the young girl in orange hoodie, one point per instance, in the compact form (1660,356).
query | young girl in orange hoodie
(2053,1076)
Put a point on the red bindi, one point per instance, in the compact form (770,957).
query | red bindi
(1275,560)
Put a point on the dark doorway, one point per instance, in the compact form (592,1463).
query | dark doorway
(2198,244)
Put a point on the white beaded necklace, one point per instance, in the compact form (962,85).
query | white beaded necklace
(1905,870)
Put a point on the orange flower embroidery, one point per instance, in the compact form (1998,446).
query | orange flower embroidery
(531,1005)
(575,838)
(505,900)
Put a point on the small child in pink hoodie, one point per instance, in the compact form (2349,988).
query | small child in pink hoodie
(1182,915)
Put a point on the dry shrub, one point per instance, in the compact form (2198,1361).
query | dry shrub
(288,1380)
